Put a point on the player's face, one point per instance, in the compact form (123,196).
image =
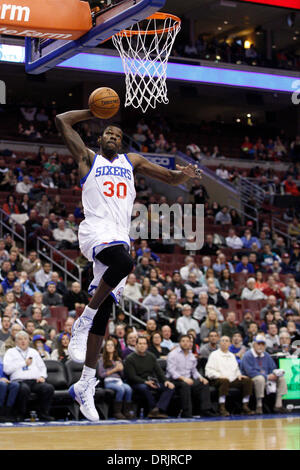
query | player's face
(111,141)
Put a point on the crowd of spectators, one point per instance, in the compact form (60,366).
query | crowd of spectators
(235,52)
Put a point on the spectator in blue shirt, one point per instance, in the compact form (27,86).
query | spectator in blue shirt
(248,239)
(8,282)
(260,367)
(237,348)
(8,394)
(144,249)
(244,266)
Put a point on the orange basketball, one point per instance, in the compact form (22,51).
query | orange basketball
(104,103)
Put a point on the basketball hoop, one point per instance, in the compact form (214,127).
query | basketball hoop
(145,49)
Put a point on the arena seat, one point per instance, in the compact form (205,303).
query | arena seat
(59,312)
(58,378)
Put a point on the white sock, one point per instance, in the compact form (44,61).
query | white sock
(87,373)
(246,399)
(222,399)
(89,312)
(259,402)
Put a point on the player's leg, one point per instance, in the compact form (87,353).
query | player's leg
(120,264)
(83,391)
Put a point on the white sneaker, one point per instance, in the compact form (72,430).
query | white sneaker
(83,392)
(78,342)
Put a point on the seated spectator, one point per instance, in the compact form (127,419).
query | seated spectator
(229,326)
(60,286)
(38,302)
(235,218)
(198,192)
(38,342)
(186,322)
(294,228)
(211,324)
(65,237)
(271,304)
(200,312)
(8,395)
(110,368)
(24,364)
(248,239)
(273,289)
(209,247)
(44,232)
(120,334)
(244,266)
(155,302)
(247,150)
(286,265)
(43,276)
(182,370)
(290,187)
(160,352)
(58,207)
(50,296)
(269,256)
(10,341)
(151,327)
(11,206)
(227,284)
(32,264)
(172,309)
(177,285)
(260,367)
(29,328)
(75,298)
(191,299)
(192,284)
(142,269)
(237,348)
(272,339)
(215,297)
(269,318)
(233,241)
(145,250)
(244,325)
(190,267)
(141,369)
(166,333)
(286,349)
(5,328)
(10,300)
(223,373)
(43,207)
(131,339)
(251,333)
(39,321)
(24,187)
(5,269)
(223,217)
(221,264)
(211,345)
(250,292)
(291,284)
(8,282)
(222,173)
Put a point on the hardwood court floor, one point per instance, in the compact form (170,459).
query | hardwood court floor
(241,434)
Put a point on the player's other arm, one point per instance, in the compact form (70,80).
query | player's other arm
(64,123)
(173,177)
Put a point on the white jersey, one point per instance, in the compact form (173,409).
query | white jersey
(108,195)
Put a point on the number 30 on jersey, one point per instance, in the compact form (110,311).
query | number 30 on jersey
(111,189)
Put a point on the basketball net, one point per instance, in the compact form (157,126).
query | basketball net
(145,49)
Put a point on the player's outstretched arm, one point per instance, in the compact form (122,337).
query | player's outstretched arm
(72,139)
(173,177)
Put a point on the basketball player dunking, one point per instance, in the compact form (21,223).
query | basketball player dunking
(108,194)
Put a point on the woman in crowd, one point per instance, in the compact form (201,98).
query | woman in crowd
(227,283)
(25,205)
(260,283)
(269,318)
(211,324)
(38,302)
(146,287)
(61,353)
(155,347)
(110,369)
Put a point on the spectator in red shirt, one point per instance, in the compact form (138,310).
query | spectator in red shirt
(10,206)
(290,186)
(273,289)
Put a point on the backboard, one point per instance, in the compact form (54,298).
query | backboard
(43,53)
